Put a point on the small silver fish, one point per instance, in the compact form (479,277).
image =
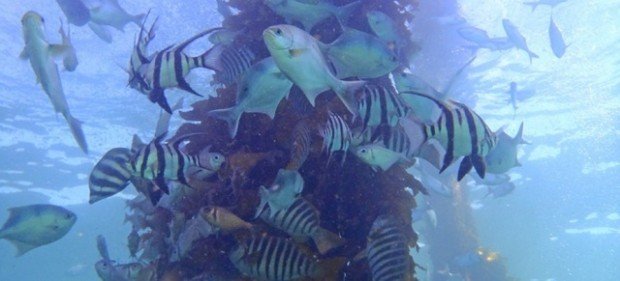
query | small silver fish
(557,41)
(517,39)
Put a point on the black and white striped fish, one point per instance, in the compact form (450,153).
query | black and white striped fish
(160,162)
(380,105)
(336,136)
(234,62)
(169,67)
(110,175)
(460,131)
(392,138)
(301,220)
(388,251)
(140,57)
(279,259)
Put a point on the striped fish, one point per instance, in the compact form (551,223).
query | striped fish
(301,220)
(140,57)
(388,251)
(234,62)
(336,136)
(461,132)
(279,259)
(159,162)
(169,67)
(380,106)
(300,146)
(110,175)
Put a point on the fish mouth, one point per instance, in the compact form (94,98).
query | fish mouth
(275,40)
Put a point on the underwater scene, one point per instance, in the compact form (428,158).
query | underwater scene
(431,140)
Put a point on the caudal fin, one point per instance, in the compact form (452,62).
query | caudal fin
(211,59)
(532,55)
(415,132)
(231,116)
(519,137)
(345,12)
(533,5)
(76,129)
(326,240)
(346,91)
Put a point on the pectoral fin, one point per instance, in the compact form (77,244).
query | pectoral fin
(58,50)
(296,52)
(22,247)
(24,54)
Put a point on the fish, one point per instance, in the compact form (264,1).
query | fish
(32,226)
(475,35)
(550,3)
(110,175)
(503,156)
(110,270)
(109,12)
(359,54)
(224,219)
(76,12)
(170,66)
(225,36)
(301,221)
(516,38)
(140,56)
(133,242)
(380,106)
(281,194)
(69,60)
(460,131)
(383,147)
(388,251)
(300,146)
(163,122)
(336,136)
(279,259)
(259,90)
(310,14)
(500,190)
(409,82)
(292,47)
(501,43)
(384,27)
(160,162)
(235,61)
(513,95)
(378,156)
(429,176)
(424,212)
(557,41)
(39,52)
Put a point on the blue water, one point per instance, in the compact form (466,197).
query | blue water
(561,223)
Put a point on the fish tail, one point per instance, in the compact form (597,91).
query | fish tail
(532,4)
(346,92)
(532,55)
(415,132)
(211,58)
(231,116)
(326,240)
(138,19)
(76,130)
(519,137)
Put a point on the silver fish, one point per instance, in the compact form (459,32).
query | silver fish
(517,39)
(76,12)
(309,14)
(557,41)
(69,60)
(109,12)
(550,3)
(503,156)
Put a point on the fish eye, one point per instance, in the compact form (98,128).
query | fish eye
(393,58)
(278,31)
(364,150)
(216,157)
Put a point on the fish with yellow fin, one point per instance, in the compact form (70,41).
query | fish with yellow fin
(224,219)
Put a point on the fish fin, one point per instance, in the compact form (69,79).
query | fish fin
(479,165)
(137,19)
(58,50)
(326,240)
(532,4)
(263,192)
(136,144)
(183,85)
(212,58)
(465,167)
(433,153)
(517,163)
(22,247)
(24,54)
(150,191)
(160,182)
(157,96)
(231,115)
(532,55)
(296,52)
(101,31)
(76,129)
(519,136)
(414,132)
(346,91)
(329,269)
(360,256)
(457,75)
(343,13)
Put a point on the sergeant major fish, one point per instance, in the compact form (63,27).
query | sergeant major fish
(170,66)
(460,131)
(292,48)
(300,146)
(301,221)
(39,52)
(380,105)
(110,175)
(234,61)
(32,226)
(336,136)
(279,259)
(259,90)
